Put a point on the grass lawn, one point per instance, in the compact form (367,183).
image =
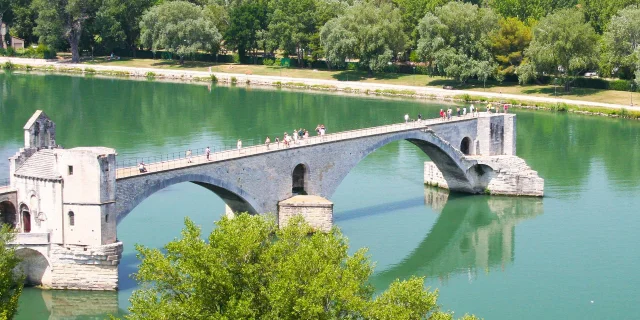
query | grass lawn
(582,94)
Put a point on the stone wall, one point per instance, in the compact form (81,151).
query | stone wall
(433,177)
(85,268)
(317,211)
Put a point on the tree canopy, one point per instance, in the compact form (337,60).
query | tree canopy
(563,45)
(622,41)
(179,27)
(508,44)
(63,20)
(365,31)
(10,284)
(249,269)
(455,38)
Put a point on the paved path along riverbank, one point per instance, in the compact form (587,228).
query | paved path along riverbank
(350,86)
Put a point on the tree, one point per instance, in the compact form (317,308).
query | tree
(10,284)
(292,24)
(600,12)
(246,20)
(622,41)
(250,269)
(455,38)
(63,20)
(118,22)
(529,9)
(179,27)
(369,32)
(508,44)
(23,20)
(563,45)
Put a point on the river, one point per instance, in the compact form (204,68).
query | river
(569,255)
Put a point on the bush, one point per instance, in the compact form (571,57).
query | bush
(11,52)
(278,62)
(45,52)
(352,66)
(620,85)
(8,65)
(234,80)
(268,62)
(236,58)
(150,75)
(213,78)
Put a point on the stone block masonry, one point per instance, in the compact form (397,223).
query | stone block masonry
(507,175)
(317,211)
(85,268)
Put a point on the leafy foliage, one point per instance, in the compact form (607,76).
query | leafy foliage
(563,45)
(369,32)
(508,44)
(179,27)
(247,19)
(10,285)
(63,20)
(622,40)
(250,269)
(455,38)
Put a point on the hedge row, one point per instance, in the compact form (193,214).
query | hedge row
(40,52)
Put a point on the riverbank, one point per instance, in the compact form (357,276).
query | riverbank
(357,87)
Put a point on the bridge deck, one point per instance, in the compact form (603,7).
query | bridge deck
(183,162)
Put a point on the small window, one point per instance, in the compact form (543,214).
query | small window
(106,218)
(72,218)
(70,170)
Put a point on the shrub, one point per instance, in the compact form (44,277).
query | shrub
(213,78)
(236,58)
(89,70)
(150,75)
(352,66)
(278,62)
(11,52)
(620,85)
(234,80)
(8,65)
(45,52)
(268,62)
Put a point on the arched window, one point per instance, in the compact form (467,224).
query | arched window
(465,145)
(298,177)
(72,218)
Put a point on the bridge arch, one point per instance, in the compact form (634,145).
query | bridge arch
(130,193)
(8,214)
(449,160)
(35,267)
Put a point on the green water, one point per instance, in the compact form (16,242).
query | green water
(571,255)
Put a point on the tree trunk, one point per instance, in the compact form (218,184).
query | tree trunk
(75,54)
(300,63)
(181,60)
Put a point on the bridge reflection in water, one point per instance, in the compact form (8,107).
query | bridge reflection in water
(68,304)
(471,234)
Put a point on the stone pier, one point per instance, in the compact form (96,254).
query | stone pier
(503,175)
(317,211)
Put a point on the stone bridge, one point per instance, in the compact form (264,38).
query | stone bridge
(255,179)
(65,203)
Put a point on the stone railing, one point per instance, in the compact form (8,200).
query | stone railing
(31,239)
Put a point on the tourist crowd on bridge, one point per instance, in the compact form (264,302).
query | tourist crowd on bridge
(299,135)
(462,112)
